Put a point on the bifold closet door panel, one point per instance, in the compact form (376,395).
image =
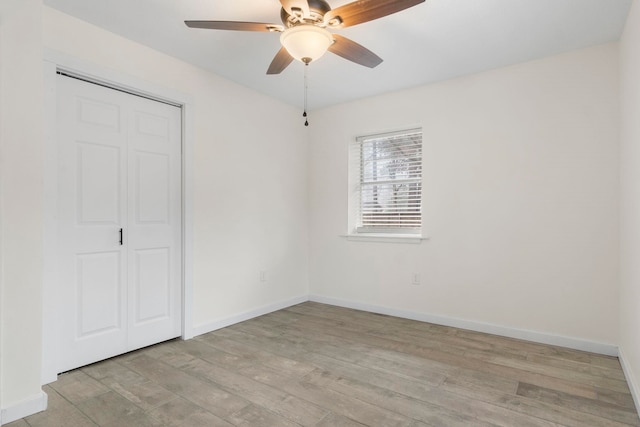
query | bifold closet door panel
(154,240)
(92,193)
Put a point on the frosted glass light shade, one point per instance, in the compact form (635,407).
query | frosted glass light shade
(306,43)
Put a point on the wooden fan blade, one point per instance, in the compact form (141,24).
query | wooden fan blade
(361,11)
(280,62)
(296,7)
(354,52)
(234,25)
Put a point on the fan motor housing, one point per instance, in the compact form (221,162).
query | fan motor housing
(317,9)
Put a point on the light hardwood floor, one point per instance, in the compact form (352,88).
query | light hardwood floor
(319,365)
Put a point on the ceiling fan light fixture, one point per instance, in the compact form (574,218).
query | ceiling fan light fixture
(306,43)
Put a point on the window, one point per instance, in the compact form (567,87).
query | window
(386,176)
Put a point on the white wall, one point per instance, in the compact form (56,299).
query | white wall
(249,171)
(630,200)
(21,191)
(521,200)
(2,12)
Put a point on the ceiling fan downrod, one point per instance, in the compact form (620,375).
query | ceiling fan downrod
(304,113)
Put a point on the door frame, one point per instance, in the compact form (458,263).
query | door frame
(54,62)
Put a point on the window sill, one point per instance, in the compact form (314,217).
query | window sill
(385,238)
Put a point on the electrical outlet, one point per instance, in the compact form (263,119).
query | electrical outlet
(415,279)
(263,276)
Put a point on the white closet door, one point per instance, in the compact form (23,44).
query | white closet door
(119,168)
(153,235)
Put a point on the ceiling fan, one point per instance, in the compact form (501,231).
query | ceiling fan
(305,36)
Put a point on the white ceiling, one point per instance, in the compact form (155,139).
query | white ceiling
(434,41)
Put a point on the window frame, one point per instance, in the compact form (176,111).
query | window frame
(357,183)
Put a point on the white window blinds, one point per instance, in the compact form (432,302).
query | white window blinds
(389,182)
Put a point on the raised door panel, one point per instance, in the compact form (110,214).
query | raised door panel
(98,112)
(99,187)
(98,294)
(153,188)
(157,127)
(152,285)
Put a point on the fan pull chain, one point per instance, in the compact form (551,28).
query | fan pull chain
(304,114)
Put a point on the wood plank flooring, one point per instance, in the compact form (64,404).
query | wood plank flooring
(324,366)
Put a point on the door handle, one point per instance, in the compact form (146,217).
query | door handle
(121,237)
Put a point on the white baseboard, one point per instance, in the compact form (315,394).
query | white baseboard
(539,337)
(237,318)
(634,387)
(523,334)
(24,408)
